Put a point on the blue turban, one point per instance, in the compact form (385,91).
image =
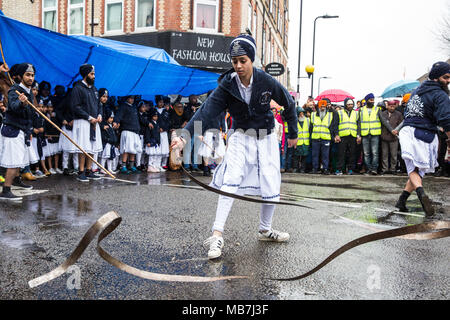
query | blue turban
(439,69)
(369,96)
(242,45)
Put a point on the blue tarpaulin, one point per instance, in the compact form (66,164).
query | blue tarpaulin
(120,67)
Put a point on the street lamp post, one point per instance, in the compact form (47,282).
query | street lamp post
(314,45)
(318,91)
(299,48)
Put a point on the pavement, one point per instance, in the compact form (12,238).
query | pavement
(166,217)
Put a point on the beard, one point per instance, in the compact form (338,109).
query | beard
(444,86)
(370,104)
(90,81)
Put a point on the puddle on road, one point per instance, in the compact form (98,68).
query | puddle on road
(58,210)
(51,211)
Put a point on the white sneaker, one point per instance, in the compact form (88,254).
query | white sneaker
(215,245)
(52,171)
(161,169)
(59,171)
(273,235)
(152,169)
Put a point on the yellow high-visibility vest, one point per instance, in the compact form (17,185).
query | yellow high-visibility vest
(370,124)
(321,128)
(285,127)
(303,133)
(347,125)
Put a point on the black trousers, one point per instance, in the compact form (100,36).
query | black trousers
(347,153)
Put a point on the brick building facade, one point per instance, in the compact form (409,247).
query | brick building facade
(196,33)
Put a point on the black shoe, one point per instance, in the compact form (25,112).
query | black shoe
(93,176)
(8,195)
(401,206)
(66,172)
(17,182)
(426,204)
(82,177)
(326,172)
(207,173)
(314,171)
(374,173)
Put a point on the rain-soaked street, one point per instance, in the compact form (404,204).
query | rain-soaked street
(166,217)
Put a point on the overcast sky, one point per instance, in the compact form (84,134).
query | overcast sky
(370,46)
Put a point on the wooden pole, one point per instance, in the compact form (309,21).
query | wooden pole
(65,134)
(4,61)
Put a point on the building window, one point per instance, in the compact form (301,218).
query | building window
(145,14)
(49,14)
(206,15)
(76,17)
(114,15)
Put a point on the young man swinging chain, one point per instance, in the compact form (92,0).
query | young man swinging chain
(428,107)
(251,164)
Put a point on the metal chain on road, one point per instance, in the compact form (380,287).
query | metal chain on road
(111,220)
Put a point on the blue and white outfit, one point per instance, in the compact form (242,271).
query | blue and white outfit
(428,107)
(251,164)
(15,146)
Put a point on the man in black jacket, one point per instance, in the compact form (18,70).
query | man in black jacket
(16,131)
(428,108)
(87,117)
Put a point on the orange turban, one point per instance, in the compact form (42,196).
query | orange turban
(323,103)
(406,98)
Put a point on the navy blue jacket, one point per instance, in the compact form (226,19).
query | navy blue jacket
(18,115)
(38,122)
(428,107)
(256,115)
(143,122)
(109,136)
(84,101)
(152,136)
(64,111)
(128,118)
(164,120)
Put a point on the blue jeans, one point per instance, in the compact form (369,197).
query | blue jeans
(288,152)
(370,147)
(320,148)
(190,156)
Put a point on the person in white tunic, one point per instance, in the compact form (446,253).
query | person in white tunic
(87,117)
(16,131)
(428,108)
(251,164)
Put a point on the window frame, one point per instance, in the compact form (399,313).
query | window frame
(206,2)
(140,29)
(117,31)
(75,6)
(44,10)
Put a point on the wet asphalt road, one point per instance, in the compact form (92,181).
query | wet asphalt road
(166,217)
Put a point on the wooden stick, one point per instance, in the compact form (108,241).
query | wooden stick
(65,134)
(4,61)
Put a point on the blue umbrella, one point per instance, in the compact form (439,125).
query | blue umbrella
(400,88)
